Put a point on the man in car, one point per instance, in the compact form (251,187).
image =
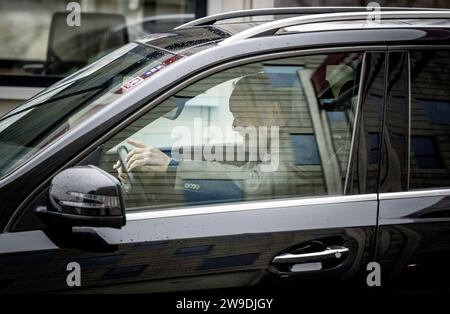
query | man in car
(255,105)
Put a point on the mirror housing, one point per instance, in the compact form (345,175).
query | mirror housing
(84,197)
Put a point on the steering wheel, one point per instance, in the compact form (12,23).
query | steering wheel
(134,183)
(122,152)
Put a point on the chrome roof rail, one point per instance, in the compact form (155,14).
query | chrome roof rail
(271,28)
(210,20)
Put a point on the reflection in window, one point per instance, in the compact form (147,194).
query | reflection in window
(337,119)
(254,132)
(364,172)
(438,112)
(425,152)
(283,75)
(305,149)
(374,147)
(430,119)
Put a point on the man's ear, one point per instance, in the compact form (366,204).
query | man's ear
(276,108)
(278,114)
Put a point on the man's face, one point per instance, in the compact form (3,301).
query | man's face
(254,121)
(248,114)
(244,112)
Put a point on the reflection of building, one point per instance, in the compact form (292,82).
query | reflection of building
(430,141)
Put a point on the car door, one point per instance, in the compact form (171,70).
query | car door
(414,221)
(260,171)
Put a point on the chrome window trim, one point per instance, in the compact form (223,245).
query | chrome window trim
(408,179)
(383,121)
(415,194)
(249,206)
(146,108)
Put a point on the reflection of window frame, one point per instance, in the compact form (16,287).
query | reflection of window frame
(314,149)
(298,67)
(426,103)
(436,155)
(372,150)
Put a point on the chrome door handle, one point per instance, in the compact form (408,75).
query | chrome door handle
(330,253)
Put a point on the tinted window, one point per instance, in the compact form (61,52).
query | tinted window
(363,177)
(430,119)
(48,116)
(267,130)
(394,165)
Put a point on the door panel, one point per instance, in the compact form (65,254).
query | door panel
(414,245)
(201,223)
(208,248)
(414,229)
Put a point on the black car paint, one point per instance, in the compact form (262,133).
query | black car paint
(60,154)
(210,259)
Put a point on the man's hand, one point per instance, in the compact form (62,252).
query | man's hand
(146,158)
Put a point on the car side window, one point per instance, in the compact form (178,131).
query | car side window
(430,119)
(269,130)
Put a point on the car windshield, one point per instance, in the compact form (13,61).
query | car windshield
(34,125)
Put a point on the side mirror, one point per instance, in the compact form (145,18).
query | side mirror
(84,197)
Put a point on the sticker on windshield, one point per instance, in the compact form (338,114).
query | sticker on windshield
(152,71)
(132,84)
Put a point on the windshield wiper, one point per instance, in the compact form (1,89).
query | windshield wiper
(84,91)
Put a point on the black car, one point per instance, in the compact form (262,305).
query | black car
(228,154)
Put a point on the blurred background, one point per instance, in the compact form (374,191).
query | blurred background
(38,48)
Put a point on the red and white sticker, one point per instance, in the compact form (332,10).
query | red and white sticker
(132,84)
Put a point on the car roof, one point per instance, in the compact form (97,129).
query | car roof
(284,12)
(365,19)
(205,33)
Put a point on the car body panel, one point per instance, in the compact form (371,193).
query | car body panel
(219,246)
(414,245)
(98,124)
(235,243)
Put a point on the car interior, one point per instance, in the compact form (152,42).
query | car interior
(334,85)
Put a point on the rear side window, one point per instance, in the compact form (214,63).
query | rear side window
(430,119)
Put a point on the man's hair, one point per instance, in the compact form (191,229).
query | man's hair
(258,89)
